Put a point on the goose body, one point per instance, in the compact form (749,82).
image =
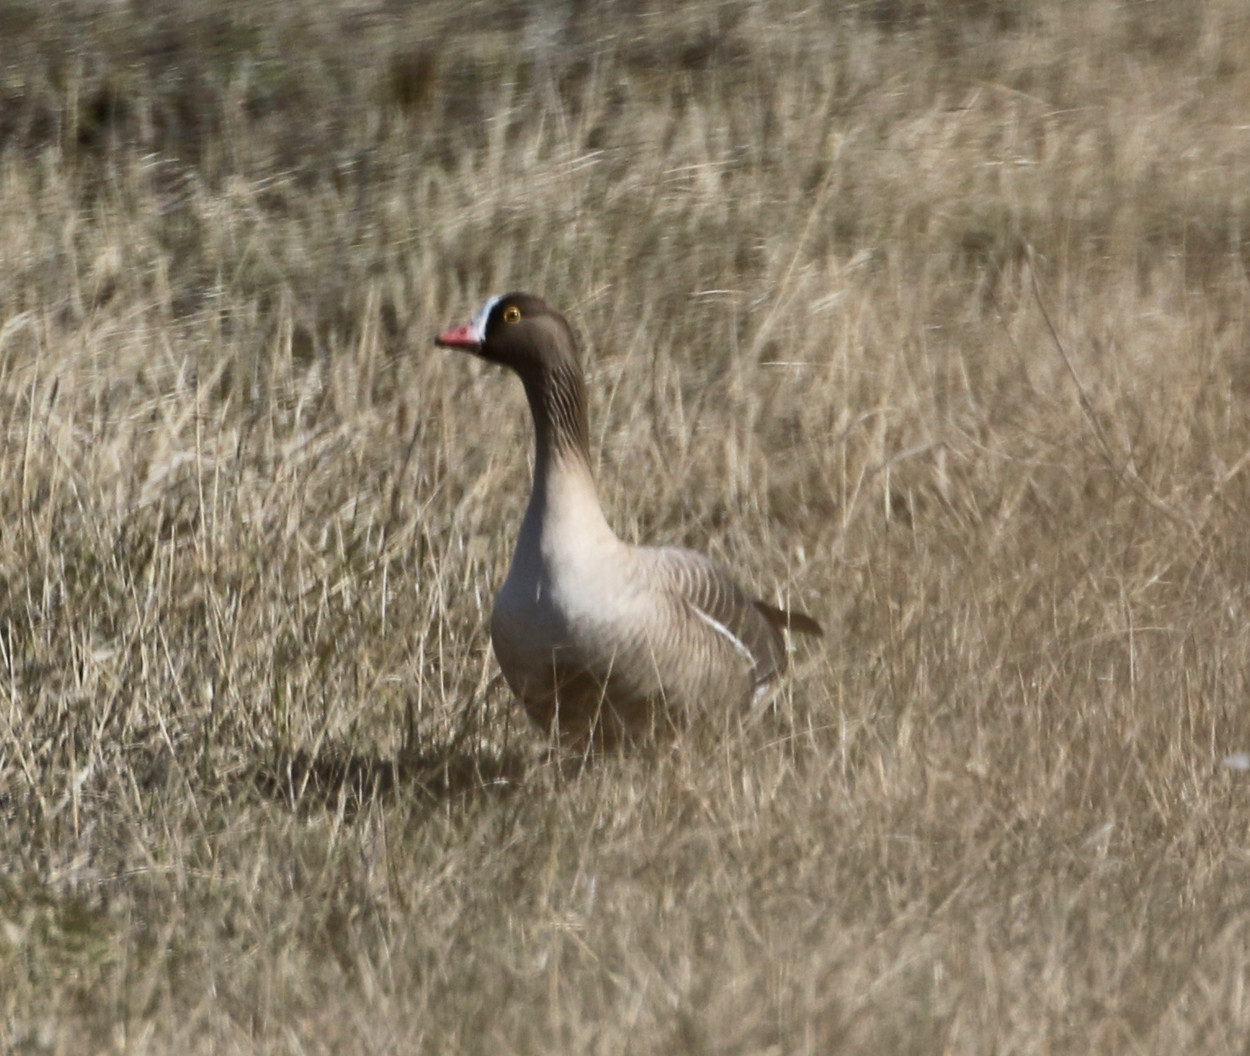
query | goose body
(602,641)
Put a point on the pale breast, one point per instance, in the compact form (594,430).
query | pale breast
(611,647)
(527,626)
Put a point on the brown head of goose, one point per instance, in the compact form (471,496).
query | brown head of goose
(602,641)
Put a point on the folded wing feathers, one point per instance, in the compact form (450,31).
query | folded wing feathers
(754,629)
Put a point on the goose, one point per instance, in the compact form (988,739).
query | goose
(601,641)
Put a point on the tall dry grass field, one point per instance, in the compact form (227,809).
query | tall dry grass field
(930,319)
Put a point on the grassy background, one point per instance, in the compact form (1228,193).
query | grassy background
(259,791)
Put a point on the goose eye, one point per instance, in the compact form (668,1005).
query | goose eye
(512,314)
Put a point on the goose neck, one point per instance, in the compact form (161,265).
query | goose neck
(557,399)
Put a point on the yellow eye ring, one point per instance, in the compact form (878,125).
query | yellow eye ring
(512,314)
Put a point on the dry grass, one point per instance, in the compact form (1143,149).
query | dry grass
(258,792)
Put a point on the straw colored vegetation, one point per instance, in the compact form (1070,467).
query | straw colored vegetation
(260,789)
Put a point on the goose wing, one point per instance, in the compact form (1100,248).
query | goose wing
(714,598)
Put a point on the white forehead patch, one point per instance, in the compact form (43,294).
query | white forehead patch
(478,326)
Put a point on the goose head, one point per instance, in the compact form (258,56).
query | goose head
(524,333)
(516,330)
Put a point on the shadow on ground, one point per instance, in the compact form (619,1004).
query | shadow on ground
(342,781)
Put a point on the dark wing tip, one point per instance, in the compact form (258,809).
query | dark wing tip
(789,620)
